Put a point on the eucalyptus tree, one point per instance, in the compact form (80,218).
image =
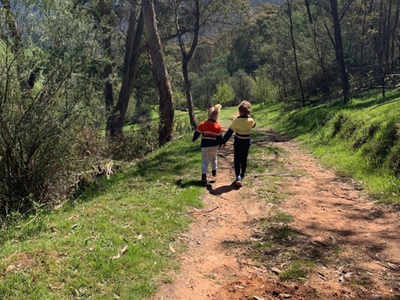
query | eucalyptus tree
(293,42)
(194,19)
(338,42)
(160,73)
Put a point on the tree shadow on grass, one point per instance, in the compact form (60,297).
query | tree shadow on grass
(164,165)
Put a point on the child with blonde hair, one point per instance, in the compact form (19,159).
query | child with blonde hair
(211,132)
(241,126)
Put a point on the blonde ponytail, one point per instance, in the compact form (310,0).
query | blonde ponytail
(213,112)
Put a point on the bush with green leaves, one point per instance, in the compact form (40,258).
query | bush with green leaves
(264,89)
(224,94)
(243,86)
(40,122)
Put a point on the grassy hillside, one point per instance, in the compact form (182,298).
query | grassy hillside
(113,242)
(360,139)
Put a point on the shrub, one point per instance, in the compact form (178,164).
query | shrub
(135,143)
(379,148)
(348,128)
(394,160)
(38,128)
(224,94)
(338,122)
(365,135)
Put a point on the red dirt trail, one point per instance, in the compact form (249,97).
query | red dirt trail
(329,211)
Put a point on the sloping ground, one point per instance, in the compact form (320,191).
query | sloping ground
(112,242)
(207,265)
(294,231)
(360,139)
(356,243)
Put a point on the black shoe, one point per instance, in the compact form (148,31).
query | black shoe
(204,179)
(242,176)
(214,173)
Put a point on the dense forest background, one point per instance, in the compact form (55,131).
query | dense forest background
(84,81)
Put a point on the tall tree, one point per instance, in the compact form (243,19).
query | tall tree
(188,54)
(160,73)
(339,49)
(293,41)
(105,18)
(132,53)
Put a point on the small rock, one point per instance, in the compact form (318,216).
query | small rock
(276,271)
(286,296)
(258,298)
(347,275)
(275,294)
(10,268)
(239,286)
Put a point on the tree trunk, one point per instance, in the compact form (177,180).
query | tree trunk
(380,47)
(339,50)
(310,19)
(187,56)
(132,53)
(318,51)
(394,33)
(187,87)
(303,100)
(105,14)
(387,37)
(363,32)
(160,73)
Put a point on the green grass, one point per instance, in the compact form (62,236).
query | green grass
(359,139)
(76,251)
(297,270)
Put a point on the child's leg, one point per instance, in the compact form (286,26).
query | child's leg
(204,161)
(243,158)
(236,158)
(214,160)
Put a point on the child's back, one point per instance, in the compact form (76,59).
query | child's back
(211,132)
(241,127)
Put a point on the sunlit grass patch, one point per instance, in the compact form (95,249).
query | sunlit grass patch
(114,241)
(297,270)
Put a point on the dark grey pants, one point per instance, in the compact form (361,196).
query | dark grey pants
(241,148)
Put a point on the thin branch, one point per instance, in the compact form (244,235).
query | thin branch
(345,8)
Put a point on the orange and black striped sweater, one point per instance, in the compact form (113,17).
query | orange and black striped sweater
(211,132)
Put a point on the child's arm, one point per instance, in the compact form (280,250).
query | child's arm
(196,135)
(227,136)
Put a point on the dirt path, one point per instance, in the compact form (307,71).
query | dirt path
(333,213)
(351,246)
(207,265)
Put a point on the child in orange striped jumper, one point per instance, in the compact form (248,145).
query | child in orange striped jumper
(211,132)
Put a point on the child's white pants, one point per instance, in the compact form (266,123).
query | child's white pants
(209,154)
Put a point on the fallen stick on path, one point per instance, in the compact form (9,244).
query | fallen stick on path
(203,212)
(279,175)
